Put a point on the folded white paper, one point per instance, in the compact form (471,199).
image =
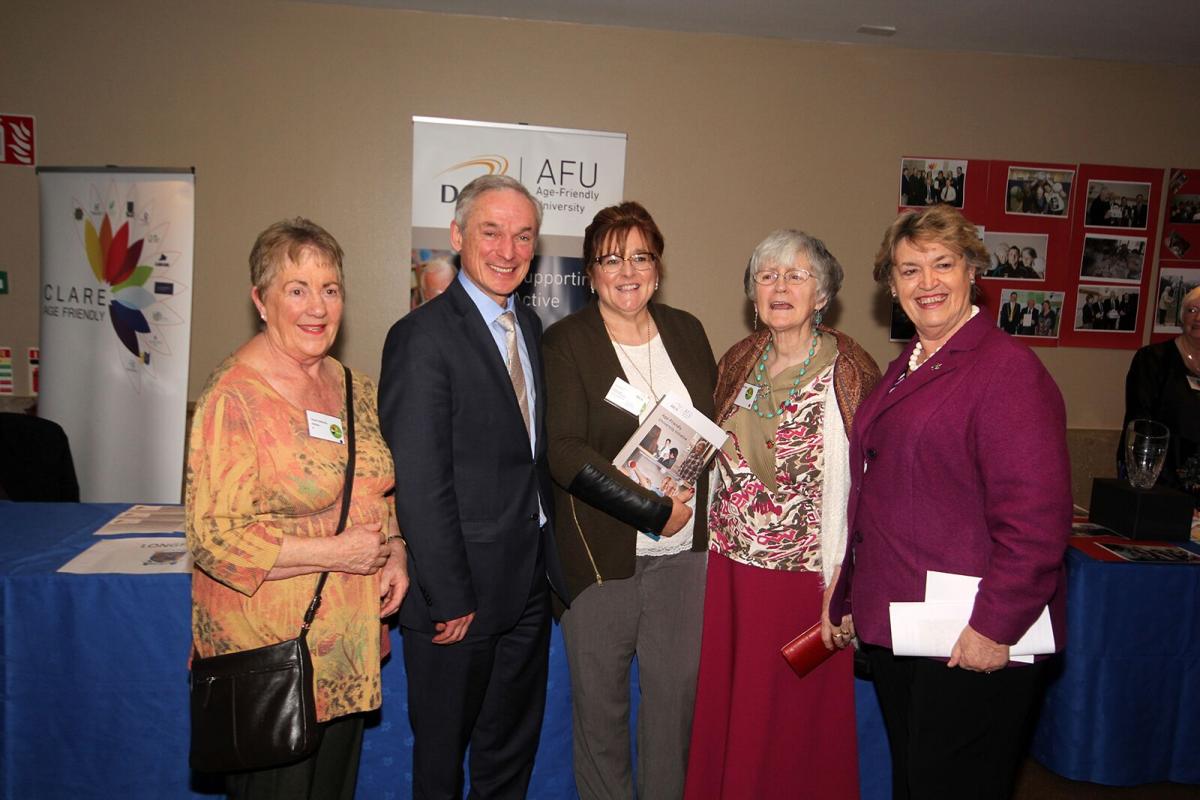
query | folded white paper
(931,628)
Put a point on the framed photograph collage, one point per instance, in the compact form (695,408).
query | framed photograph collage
(1179,259)
(1070,246)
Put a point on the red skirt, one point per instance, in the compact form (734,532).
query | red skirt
(759,731)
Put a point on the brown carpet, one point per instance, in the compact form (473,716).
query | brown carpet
(1035,782)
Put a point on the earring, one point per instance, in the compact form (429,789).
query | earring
(262,316)
(656,286)
(755,316)
(818,317)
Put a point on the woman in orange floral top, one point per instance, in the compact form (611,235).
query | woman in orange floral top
(264,491)
(777,527)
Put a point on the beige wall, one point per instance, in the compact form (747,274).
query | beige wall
(296,108)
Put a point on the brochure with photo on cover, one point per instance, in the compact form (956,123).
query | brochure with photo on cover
(671,446)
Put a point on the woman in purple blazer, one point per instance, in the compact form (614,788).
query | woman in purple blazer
(959,464)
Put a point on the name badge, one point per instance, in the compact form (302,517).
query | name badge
(323,426)
(1194,382)
(627,398)
(747,395)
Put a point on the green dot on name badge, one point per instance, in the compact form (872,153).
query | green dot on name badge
(3,282)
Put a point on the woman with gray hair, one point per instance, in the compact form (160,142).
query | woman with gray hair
(786,394)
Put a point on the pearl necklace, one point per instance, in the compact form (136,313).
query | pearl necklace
(914,358)
(760,372)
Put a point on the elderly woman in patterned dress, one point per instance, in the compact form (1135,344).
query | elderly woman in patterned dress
(266,467)
(787,396)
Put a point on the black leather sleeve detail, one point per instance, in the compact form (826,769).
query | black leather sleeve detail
(617,500)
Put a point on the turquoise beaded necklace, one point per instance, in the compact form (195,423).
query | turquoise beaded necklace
(760,375)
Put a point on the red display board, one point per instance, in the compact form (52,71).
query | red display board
(1071,247)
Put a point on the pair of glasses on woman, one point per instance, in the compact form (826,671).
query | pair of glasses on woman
(793,277)
(612,262)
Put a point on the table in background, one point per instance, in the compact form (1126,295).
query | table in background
(1123,707)
(93,681)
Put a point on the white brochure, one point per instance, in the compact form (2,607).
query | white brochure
(931,628)
(137,556)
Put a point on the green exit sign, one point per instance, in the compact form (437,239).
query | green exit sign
(3,282)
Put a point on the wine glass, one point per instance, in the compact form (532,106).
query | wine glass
(1145,451)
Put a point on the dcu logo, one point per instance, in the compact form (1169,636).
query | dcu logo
(493,165)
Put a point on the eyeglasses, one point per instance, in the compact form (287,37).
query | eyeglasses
(639,261)
(793,277)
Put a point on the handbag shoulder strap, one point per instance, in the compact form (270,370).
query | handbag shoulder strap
(348,485)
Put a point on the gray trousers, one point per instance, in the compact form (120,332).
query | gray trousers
(655,615)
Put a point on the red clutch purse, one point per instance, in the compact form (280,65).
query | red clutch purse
(806,652)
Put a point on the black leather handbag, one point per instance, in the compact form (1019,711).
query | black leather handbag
(256,709)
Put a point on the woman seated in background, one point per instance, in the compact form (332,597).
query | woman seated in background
(1163,384)
(634,558)
(778,532)
(959,465)
(264,494)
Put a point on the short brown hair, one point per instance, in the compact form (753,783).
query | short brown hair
(288,240)
(939,224)
(614,223)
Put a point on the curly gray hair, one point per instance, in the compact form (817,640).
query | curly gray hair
(781,248)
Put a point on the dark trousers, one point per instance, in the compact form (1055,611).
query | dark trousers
(488,691)
(953,733)
(331,773)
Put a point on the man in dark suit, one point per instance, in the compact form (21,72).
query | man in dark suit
(1028,319)
(461,404)
(1140,212)
(1010,314)
(1098,206)
(1088,314)
(1110,314)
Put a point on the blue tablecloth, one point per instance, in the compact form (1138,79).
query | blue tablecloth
(93,682)
(1124,705)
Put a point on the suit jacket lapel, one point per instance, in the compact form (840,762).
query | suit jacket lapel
(480,340)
